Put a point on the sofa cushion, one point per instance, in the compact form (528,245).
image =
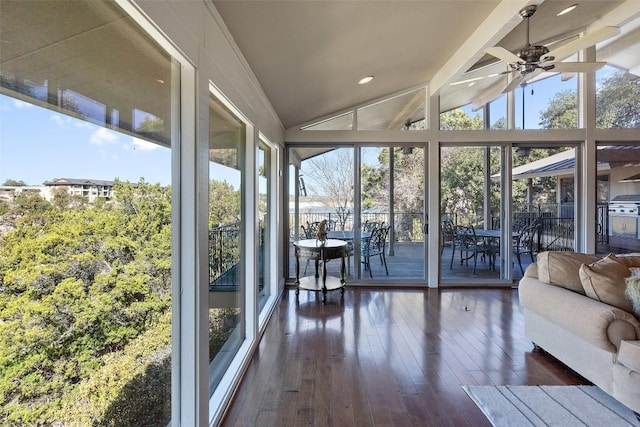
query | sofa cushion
(604,280)
(630,260)
(562,268)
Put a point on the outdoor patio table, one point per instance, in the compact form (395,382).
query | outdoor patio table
(492,235)
(320,252)
(348,236)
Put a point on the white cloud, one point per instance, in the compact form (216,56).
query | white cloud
(60,120)
(21,104)
(139,144)
(103,136)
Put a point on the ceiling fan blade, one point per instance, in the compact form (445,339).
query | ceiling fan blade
(514,83)
(577,67)
(489,94)
(503,54)
(589,39)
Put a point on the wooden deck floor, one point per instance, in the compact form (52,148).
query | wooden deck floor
(388,358)
(407,263)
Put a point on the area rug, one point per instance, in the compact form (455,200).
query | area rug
(550,406)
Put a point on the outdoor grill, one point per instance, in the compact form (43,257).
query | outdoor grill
(624,213)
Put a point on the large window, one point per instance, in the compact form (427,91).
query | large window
(227,141)
(85,208)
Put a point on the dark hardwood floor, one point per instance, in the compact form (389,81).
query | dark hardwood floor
(384,357)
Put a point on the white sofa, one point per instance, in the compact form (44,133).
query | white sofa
(597,340)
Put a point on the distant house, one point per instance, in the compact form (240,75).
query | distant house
(8,192)
(89,188)
(617,169)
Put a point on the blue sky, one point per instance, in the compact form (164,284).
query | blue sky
(38,145)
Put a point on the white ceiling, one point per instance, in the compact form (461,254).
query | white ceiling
(309,55)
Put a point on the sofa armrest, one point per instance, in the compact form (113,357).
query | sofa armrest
(602,325)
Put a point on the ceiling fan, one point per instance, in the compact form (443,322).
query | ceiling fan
(535,59)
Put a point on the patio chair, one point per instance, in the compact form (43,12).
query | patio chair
(470,246)
(524,243)
(448,235)
(376,245)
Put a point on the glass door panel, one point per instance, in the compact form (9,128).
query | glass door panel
(325,193)
(227,137)
(470,195)
(392,217)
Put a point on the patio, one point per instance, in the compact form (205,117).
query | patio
(405,265)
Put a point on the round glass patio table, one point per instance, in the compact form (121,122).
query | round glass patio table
(321,253)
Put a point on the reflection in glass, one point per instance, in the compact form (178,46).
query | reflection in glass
(227,135)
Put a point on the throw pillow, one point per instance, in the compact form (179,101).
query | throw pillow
(604,280)
(630,260)
(561,268)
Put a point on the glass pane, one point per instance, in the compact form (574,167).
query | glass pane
(549,103)
(400,112)
(618,199)
(227,136)
(326,193)
(264,219)
(470,213)
(498,113)
(85,246)
(400,251)
(342,122)
(617,99)
(463,118)
(543,200)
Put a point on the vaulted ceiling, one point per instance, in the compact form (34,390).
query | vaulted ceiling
(309,55)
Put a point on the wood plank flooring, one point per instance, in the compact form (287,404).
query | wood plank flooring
(386,357)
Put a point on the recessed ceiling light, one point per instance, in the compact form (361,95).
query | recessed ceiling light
(567,10)
(365,80)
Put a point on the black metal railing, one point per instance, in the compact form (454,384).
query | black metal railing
(224,254)
(407,225)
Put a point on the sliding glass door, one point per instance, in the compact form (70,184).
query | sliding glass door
(373,198)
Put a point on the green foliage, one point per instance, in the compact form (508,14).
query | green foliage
(617,105)
(224,203)
(618,102)
(457,119)
(14,183)
(562,111)
(462,181)
(79,286)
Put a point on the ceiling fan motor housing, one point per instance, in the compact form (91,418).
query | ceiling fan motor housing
(532,54)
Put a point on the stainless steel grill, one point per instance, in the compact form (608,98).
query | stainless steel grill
(624,214)
(627,205)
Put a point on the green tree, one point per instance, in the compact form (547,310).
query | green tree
(14,183)
(562,111)
(618,102)
(224,203)
(458,119)
(79,285)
